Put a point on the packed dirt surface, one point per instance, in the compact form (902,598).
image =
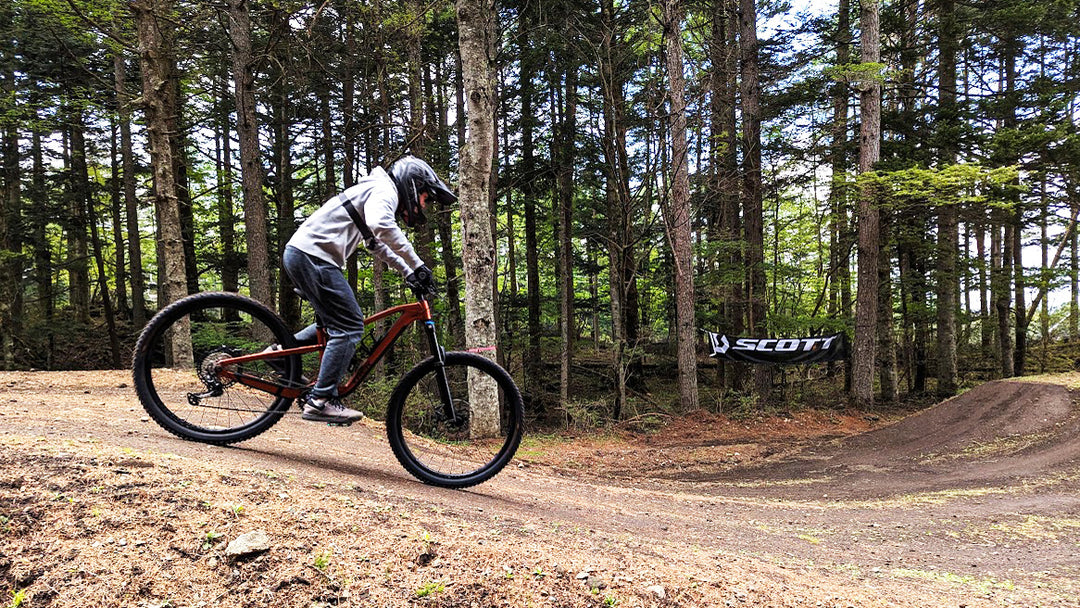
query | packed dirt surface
(974,502)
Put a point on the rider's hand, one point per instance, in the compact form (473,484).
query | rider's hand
(421,280)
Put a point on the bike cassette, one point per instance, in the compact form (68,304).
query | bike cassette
(210,367)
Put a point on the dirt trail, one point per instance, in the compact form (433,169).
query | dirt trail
(973,502)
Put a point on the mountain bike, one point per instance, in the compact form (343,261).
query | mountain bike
(224,385)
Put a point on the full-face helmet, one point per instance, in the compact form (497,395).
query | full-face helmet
(413,177)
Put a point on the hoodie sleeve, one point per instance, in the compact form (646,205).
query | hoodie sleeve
(391,245)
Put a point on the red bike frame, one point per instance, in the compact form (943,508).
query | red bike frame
(408,314)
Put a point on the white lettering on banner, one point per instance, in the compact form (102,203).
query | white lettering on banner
(745,344)
(786,345)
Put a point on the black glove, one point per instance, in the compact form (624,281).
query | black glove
(421,280)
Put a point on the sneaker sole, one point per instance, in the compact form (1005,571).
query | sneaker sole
(329,420)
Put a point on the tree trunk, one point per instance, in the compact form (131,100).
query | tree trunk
(868,215)
(887,376)
(285,199)
(986,333)
(1000,286)
(255,215)
(160,105)
(348,133)
(948,241)
(103,287)
(131,202)
(752,187)
(1074,275)
(183,192)
(619,204)
(11,238)
(39,216)
(78,249)
(115,204)
(680,233)
(230,259)
(476,38)
(533,363)
(724,53)
(839,224)
(565,176)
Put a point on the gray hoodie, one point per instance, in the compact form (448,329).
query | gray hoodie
(330,234)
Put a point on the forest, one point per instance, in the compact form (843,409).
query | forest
(630,173)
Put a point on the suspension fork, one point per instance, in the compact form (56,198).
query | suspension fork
(441,381)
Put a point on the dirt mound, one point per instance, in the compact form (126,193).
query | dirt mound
(993,434)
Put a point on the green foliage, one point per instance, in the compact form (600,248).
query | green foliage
(861,74)
(968,184)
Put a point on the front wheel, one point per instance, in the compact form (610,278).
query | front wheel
(454,451)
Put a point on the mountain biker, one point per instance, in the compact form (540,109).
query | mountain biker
(316,253)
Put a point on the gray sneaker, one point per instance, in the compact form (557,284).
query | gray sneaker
(332,411)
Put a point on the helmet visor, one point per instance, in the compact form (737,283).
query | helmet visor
(441,192)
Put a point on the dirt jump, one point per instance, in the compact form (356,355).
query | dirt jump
(973,502)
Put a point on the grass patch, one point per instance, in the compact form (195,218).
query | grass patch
(982,586)
(431,588)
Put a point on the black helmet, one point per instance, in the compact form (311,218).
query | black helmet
(412,177)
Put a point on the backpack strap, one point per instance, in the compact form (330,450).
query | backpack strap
(365,232)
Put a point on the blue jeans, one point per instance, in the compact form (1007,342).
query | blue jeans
(324,285)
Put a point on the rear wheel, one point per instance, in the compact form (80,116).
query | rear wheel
(178,371)
(446,452)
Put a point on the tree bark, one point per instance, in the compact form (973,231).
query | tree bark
(620,210)
(680,233)
(948,242)
(724,54)
(285,196)
(839,224)
(115,204)
(476,39)
(131,202)
(39,217)
(251,170)
(11,237)
(78,249)
(565,178)
(868,214)
(230,259)
(1074,274)
(1000,286)
(887,374)
(752,187)
(160,105)
(533,363)
(103,287)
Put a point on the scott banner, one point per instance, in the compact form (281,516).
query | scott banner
(781,351)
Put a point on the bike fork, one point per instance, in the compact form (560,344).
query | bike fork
(440,374)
